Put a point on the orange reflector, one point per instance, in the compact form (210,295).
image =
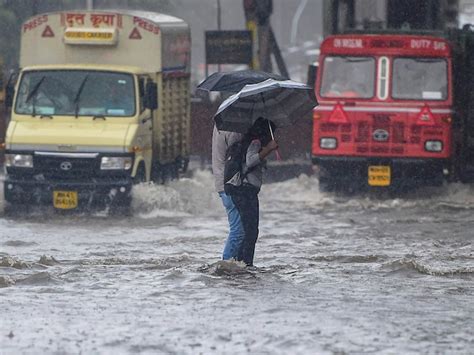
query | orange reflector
(48,32)
(2,146)
(447,119)
(425,118)
(338,115)
(135,34)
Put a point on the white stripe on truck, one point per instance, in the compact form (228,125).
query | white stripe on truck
(382,109)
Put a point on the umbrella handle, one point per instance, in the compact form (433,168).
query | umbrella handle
(278,156)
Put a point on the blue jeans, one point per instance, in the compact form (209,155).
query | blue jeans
(236,229)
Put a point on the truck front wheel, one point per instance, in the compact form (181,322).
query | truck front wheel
(122,207)
(326,185)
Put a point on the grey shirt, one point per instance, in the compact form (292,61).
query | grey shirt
(253,162)
(221,140)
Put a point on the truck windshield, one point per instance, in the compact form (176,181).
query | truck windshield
(76,93)
(348,77)
(420,79)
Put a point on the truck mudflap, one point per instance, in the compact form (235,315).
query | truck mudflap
(69,195)
(356,173)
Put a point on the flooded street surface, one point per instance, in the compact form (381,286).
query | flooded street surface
(334,275)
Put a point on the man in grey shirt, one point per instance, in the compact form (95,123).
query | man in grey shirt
(245,196)
(221,140)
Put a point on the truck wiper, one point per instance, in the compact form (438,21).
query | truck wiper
(33,94)
(78,95)
(357,59)
(96,117)
(428,60)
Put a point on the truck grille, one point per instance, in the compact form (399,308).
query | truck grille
(365,133)
(379,135)
(398,133)
(65,167)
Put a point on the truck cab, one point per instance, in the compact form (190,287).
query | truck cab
(79,128)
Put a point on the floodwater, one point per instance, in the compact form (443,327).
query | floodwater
(333,275)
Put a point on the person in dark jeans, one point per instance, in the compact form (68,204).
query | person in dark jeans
(245,196)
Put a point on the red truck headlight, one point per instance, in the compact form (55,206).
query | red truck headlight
(433,146)
(328,143)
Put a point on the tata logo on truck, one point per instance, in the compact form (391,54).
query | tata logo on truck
(66,166)
(380,135)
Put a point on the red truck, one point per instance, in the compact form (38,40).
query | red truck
(395,110)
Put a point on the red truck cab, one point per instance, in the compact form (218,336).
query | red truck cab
(385,111)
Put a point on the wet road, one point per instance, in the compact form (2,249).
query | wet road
(334,275)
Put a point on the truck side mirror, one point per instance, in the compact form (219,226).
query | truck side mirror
(312,74)
(151,95)
(10,89)
(9,94)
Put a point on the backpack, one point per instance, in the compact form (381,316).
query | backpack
(235,157)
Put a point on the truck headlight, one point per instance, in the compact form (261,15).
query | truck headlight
(19,160)
(434,146)
(116,163)
(328,143)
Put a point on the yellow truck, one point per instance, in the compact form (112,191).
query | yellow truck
(102,102)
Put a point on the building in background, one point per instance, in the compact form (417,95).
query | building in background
(342,15)
(466,12)
(297,25)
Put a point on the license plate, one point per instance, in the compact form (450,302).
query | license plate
(65,200)
(379,175)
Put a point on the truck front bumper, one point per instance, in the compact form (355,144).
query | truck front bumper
(404,171)
(95,192)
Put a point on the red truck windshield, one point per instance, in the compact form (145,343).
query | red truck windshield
(420,79)
(348,77)
(411,78)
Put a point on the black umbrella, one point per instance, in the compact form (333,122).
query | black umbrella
(282,102)
(234,81)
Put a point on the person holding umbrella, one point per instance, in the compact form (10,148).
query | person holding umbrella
(244,193)
(230,82)
(256,95)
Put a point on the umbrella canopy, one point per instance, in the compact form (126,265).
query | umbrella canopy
(282,102)
(234,81)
